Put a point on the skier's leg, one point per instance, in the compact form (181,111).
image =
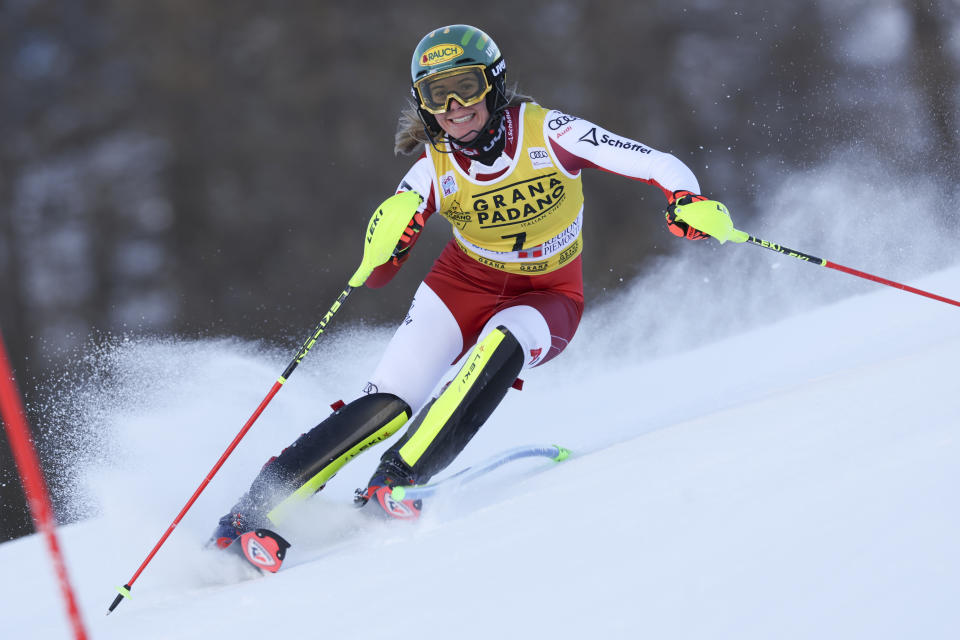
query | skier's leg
(535,329)
(420,352)
(424,347)
(544,322)
(304,467)
(447,423)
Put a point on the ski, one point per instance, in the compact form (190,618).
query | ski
(471,473)
(266,550)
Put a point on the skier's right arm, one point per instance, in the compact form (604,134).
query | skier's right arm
(419,179)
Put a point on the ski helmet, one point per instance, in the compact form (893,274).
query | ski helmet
(446,51)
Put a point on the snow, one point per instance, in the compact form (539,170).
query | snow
(794,479)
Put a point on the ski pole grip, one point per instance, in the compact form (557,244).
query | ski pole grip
(712,218)
(384,231)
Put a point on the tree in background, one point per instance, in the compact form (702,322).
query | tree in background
(207,167)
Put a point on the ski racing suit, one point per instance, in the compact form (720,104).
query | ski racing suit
(513,266)
(506,292)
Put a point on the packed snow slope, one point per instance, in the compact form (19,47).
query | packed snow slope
(735,475)
(795,481)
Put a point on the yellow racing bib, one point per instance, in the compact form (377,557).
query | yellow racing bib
(526,220)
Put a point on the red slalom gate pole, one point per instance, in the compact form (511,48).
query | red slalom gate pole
(34,485)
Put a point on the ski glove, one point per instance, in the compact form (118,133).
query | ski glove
(407,240)
(678,227)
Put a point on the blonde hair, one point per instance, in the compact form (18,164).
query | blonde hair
(411,136)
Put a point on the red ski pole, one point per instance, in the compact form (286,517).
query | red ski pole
(713,219)
(839,267)
(34,485)
(301,354)
(384,230)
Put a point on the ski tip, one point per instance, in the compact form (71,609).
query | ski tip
(562,453)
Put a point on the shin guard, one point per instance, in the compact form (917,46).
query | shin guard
(304,467)
(445,426)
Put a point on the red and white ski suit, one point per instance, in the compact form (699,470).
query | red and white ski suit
(476,285)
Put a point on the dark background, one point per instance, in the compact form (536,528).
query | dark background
(190,167)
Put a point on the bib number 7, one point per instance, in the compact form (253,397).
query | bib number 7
(521,238)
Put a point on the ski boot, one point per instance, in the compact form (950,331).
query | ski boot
(229,528)
(241,519)
(245,536)
(378,494)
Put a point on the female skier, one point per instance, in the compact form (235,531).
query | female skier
(508,287)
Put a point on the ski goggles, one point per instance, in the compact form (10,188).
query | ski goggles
(466,85)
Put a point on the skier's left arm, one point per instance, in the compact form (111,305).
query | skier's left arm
(580,144)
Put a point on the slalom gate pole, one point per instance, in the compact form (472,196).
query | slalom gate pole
(384,231)
(839,267)
(34,485)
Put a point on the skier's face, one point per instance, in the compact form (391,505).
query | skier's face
(463,123)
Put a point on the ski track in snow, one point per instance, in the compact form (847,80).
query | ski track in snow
(795,480)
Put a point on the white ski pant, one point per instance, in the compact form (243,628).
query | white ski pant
(429,341)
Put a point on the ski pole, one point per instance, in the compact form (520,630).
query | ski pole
(721,227)
(392,218)
(124,591)
(839,267)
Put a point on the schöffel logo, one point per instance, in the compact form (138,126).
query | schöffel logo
(591,137)
(440,54)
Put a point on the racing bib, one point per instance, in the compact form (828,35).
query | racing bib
(503,222)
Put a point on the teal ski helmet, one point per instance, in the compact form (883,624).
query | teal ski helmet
(451,51)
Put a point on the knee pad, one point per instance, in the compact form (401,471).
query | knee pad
(304,467)
(445,426)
